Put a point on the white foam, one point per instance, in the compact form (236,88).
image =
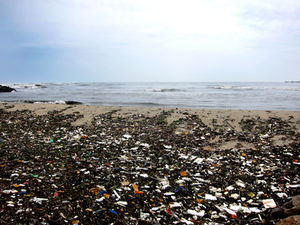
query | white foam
(27,86)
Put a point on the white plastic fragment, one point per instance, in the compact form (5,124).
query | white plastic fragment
(294,185)
(273,188)
(175,204)
(229,188)
(269,203)
(122,203)
(127,136)
(195,213)
(235,195)
(169,193)
(14,175)
(145,145)
(9,191)
(210,197)
(183,220)
(39,200)
(260,193)
(144,216)
(264,136)
(282,195)
(229,211)
(240,183)
(155,208)
(117,195)
(100,199)
(255,210)
(199,160)
(235,207)
(144,175)
(164,183)
(19,211)
(181,181)
(218,194)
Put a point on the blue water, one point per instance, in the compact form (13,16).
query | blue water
(261,96)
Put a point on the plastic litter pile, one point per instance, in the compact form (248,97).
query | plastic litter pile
(141,170)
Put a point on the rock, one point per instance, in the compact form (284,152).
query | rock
(295,203)
(73,103)
(296,200)
(292,220)
(6,89)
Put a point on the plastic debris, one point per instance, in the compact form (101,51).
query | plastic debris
(269,203)
(195,213)
(141,170)
(210,197)
(113,211)
(39,200)
(95,191)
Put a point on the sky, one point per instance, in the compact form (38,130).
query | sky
(149,40)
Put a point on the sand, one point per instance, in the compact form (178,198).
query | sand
(225,118)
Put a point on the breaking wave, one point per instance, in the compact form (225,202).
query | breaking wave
(229,87)
(27,86)
(164,90)
(61,102)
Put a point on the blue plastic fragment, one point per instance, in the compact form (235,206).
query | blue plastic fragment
(180,188)
(102,192)
(113,211)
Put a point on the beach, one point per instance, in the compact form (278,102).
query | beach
(64,164)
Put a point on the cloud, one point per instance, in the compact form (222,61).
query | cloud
(131,36)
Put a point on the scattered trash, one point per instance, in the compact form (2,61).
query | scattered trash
(269,203)
(195,213)
(210,197)
(113,211)
(138,170)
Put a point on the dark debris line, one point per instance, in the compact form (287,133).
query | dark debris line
(138,170)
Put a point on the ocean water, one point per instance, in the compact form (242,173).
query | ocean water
(259,96)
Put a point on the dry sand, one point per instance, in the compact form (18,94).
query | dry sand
(226,117)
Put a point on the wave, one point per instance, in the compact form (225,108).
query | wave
(229,87)
(27,86)
(288,88)
(61,102)
(164,90)
(150,104)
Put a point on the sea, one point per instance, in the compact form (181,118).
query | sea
(213,95)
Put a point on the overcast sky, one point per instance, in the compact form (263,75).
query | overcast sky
(149,40)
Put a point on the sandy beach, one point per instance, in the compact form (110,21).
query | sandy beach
(207,115)
(124,165)
(228,119)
